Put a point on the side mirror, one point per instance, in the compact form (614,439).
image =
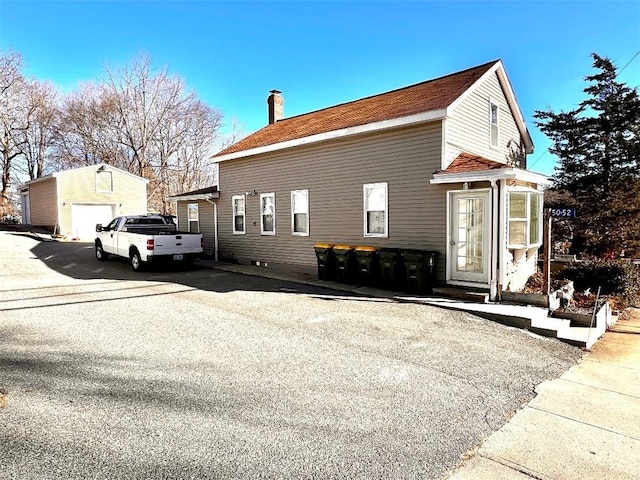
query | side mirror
(98,227)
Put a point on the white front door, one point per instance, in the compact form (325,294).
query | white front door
(469,234)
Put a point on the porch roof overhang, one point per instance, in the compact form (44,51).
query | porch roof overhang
(509,173)
(472,168)
(210,193)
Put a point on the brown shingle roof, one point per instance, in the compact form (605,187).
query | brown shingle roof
(423,97)
(466,162)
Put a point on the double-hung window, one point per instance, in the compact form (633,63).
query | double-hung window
(525,219)
(268,213)
(238,214)
(493,121)
(193,215)
(376,218)
(300,212)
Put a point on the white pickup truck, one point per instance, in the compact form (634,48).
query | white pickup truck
(145,239)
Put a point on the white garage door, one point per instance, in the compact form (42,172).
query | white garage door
(85,217)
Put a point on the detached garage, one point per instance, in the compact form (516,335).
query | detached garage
(70,203)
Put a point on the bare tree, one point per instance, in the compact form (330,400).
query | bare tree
(36,140)
(167,132)
(143,121)
(15,116)
(86,129)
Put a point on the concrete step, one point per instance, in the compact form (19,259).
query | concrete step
(469,294)
(533,319)
(580,336)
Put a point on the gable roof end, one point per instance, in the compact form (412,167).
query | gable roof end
(426,101)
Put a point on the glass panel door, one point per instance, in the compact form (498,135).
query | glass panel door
(469,234)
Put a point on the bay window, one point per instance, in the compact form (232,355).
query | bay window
(525,219)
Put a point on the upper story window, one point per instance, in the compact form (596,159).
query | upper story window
(238,214)
(300,212)
(525,219)
(493,120)
(376,220)
(268,213)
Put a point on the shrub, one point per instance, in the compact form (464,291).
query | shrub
(613,278)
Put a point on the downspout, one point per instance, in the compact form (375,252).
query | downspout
(503,233)
(215,229)
(493,281)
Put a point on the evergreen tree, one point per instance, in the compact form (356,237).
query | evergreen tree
(598,145)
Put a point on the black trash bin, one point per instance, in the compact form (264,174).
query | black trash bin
(326,261)
(391,269)
(368,265)
(346,264)
(419,267)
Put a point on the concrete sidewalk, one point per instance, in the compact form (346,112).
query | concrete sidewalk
(583,425)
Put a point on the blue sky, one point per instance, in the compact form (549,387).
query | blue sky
(323,53)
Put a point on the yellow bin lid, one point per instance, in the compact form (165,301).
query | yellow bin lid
(343,247)
(364,248)
(324,245)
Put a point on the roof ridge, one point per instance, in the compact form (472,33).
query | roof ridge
(429,96)
(424,82)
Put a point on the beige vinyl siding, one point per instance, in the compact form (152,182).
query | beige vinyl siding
(334,173)
(468,129)
(129,195)
(207,227)
(43,203)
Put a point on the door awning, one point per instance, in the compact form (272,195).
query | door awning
(473,168)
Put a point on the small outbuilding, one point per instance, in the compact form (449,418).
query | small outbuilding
(197,212)
(72,202)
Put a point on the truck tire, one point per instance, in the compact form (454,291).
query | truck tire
(101,255)
(135,261)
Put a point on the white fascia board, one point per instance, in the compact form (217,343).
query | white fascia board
(94,167)
(39,179)
(202,196)
(509,94)
(334,134)
(488,175)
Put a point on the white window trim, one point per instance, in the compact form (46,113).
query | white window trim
(492,102)
(233,214)
(293,232)
(386,209)
(104,172)
(527,219)
(197,221)
(262,230)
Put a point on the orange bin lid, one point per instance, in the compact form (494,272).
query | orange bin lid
(343,247)
(364,248)
(324,245)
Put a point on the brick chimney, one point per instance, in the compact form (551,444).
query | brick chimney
(276,106)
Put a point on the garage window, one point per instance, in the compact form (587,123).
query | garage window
(104,181)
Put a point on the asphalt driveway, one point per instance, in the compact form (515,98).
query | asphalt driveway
(209,374)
